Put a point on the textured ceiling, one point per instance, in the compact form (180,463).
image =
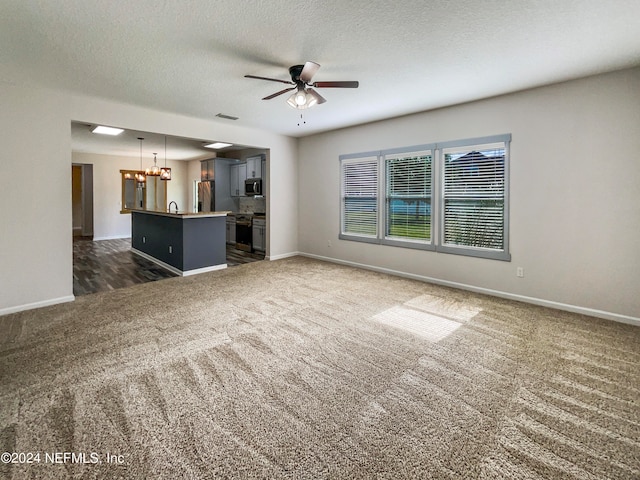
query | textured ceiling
(190,56)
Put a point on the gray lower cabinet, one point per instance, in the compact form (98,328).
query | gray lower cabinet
(259,234)
(231,230)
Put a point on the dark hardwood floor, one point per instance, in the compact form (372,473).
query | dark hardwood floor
(104,265)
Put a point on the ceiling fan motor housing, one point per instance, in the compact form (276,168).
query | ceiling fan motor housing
(295,73)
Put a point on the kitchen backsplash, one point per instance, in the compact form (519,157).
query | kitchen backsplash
(252,205)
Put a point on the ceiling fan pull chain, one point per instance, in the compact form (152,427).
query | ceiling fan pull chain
(302,120)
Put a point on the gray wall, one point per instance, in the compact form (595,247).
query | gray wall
(575,195)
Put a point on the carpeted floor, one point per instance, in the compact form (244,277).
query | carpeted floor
(307,370)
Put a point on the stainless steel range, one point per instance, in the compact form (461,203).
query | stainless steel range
(243,231)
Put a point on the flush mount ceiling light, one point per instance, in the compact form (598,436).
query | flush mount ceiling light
(218,145)
(107,130)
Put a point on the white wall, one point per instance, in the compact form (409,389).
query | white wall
(282,224)
(36,241)
(35,195)
(575,194)
(108,222)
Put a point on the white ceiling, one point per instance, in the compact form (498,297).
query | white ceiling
(190,56)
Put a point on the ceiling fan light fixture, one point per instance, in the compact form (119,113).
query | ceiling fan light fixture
(302,100)
(311,100)
(300,97)
(292,101)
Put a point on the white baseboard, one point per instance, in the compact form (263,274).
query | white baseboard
(283,255)
(212,268)
(31,306)
(177,271)
(495,293)
(111,237)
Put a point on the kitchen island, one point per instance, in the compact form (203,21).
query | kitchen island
(186,243)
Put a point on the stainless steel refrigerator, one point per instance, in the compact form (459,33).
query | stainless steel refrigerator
(207,196)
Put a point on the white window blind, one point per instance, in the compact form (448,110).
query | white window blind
(408,196)
(449,197)
(360,197)
(474,197)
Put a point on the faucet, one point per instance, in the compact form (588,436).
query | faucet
(172,201)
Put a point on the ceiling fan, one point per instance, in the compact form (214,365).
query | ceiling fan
(304,96)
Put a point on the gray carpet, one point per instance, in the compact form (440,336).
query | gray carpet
(304,369)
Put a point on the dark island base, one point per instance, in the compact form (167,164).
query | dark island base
(184,245)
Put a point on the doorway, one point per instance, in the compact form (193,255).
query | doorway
(82,199)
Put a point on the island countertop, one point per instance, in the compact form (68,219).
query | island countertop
(182,214)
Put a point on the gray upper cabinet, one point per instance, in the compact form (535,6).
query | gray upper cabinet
(237,176)
(207,170)
(254,166)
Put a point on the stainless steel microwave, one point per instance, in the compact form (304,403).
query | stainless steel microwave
(253,186)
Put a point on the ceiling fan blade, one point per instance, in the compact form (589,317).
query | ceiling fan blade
(309,70)
(336,84)
(273,95)
(319,98)
(289,82)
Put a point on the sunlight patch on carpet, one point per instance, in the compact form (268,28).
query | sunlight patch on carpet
(444,307)
(423,324)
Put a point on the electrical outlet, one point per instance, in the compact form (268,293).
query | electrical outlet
(520,272)
(328,243)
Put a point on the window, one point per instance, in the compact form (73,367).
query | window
(360,198)
(388,197)
(408,189)
(474,200)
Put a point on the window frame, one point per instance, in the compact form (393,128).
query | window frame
(357,158)
(437,198)
(477,144)
(405,242)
